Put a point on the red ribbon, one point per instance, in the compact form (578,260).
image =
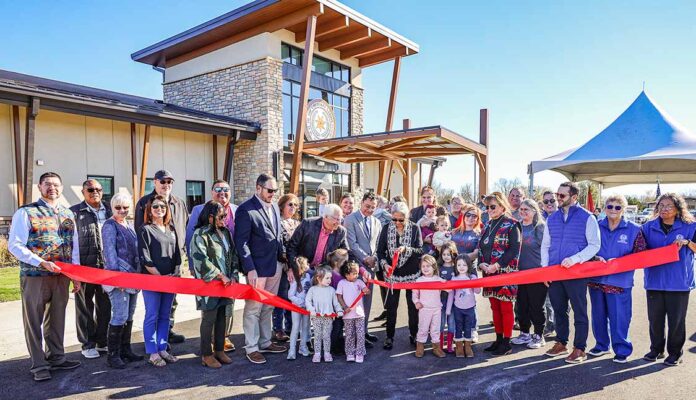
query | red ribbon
(460,220)
(395,261)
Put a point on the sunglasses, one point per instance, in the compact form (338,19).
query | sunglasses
(398,220)
(221,189)
(613,207)
(293,205)
(119,208)
(561,195)
(158,206)
(493,207)
(269,190)
(92,190)
(166,181)
(470,215)
(221,217)
(550,201)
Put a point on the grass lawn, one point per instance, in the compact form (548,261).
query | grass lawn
(9,284)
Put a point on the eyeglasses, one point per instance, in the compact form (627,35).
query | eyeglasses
(119,208)
(665,207)
(221,217)
(561,195)
(401,220)
(493,207)
(613,207)
(220,189)
(293,205)
(166,181)
(470,215)
(269,190)
(158,206)
(550,201)
(524,210)
(92,190)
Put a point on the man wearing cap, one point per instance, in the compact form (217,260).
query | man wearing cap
(164,183)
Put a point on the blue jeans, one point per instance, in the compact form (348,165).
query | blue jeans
(447,320)
(122,306)
(465,322)
(574,292)
(156,326)
(281,315)
(611,314)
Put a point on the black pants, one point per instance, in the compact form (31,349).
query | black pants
(672,305)
(213,330)
(93,312)
(392,308)
(382,290)
(337,340)
(530,304)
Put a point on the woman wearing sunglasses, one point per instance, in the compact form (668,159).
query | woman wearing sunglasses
(120,245)
(403,236)
(214,258)
(466,236)
(159,255)
(499,252)
(669,285)
(610,295)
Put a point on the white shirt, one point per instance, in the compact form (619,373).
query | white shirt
(594,242)
(19,236)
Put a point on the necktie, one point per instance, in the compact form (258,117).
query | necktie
(367,228)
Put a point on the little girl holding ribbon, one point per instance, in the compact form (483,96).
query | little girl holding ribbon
(323,305)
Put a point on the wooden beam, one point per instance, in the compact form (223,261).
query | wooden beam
(324,27)
(483,139)
(381,167)
(29,140)
(134,161)
(269,26)
(345,39)
(376,150)
(146,155)
(365,47)
(390,120)
(351,140)
(19,181)
(381,57)
(407,181)
(401,143)
(390,171)
(332,150)
(228,150)
(431,176)
(302,112)
(215,158)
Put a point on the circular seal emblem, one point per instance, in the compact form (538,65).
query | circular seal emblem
(321,123)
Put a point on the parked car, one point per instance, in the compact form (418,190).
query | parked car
(643,216)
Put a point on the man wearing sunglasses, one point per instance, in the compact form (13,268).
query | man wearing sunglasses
(164,184)
(92,306)
(571,237)
(549,204)
(222,193)
(259,242)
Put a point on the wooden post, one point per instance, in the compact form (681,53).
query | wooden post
(406,124)
(134,160)
(390,119)
(215,158)
(146,154)
(433,167)
(483,161)
(29,138)
(226,171)
(407,169)
(302,112)
(19,175)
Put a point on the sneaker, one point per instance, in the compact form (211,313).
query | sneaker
(42,375)
(558,349)
(350,358)
(316,358)
(474,336)
(67,364)
(274,348)
(595,352)
(328,357)
(291,356)
(256,357)
(523,338)
(229,346)
(90,353)
(102,349)
(359,359)
(537,342)
(653,356)
(304,352)
(673,361)
(576,357)
(620,359)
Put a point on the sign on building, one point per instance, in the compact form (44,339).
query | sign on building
(321,123)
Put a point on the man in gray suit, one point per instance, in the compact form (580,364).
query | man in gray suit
(362,232)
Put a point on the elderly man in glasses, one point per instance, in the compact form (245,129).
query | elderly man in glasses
(222,193)
(164,184)
(92,306)
(571,237)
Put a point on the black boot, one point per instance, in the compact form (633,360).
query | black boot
(504,348)
(127,354)
(114,347)
(494,345)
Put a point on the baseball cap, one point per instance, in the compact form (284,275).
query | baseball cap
(163,174)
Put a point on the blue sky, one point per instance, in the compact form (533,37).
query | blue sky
(552,74)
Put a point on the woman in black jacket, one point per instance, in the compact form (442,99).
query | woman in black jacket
(403,236)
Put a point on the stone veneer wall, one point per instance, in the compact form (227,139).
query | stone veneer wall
(251,91)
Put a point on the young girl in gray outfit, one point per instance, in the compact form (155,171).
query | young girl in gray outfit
(322,303)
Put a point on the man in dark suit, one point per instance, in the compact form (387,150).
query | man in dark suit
(317,237)
(427,198)
(257,237)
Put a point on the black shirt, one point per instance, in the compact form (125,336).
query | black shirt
(158,249)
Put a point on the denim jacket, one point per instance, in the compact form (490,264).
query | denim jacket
(120,246)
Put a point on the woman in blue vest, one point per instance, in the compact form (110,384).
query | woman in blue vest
(610,295)
(668,285)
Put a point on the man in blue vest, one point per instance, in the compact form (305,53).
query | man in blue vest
(571,237)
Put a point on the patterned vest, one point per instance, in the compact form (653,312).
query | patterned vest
(50,236)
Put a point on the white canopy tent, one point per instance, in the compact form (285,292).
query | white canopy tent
(643,145)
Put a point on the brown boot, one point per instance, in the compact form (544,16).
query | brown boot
(437,351)
(468,350)
(459,349)
(222,357)
(210,362)
(420,349)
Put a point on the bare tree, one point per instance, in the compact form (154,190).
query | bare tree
(466,191)
(442,194)
(504,186)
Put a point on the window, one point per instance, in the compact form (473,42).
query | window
(149,186)
(107,183)
(194,194)
(293,55)
(310,181)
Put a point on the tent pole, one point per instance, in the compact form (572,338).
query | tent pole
(531,181)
